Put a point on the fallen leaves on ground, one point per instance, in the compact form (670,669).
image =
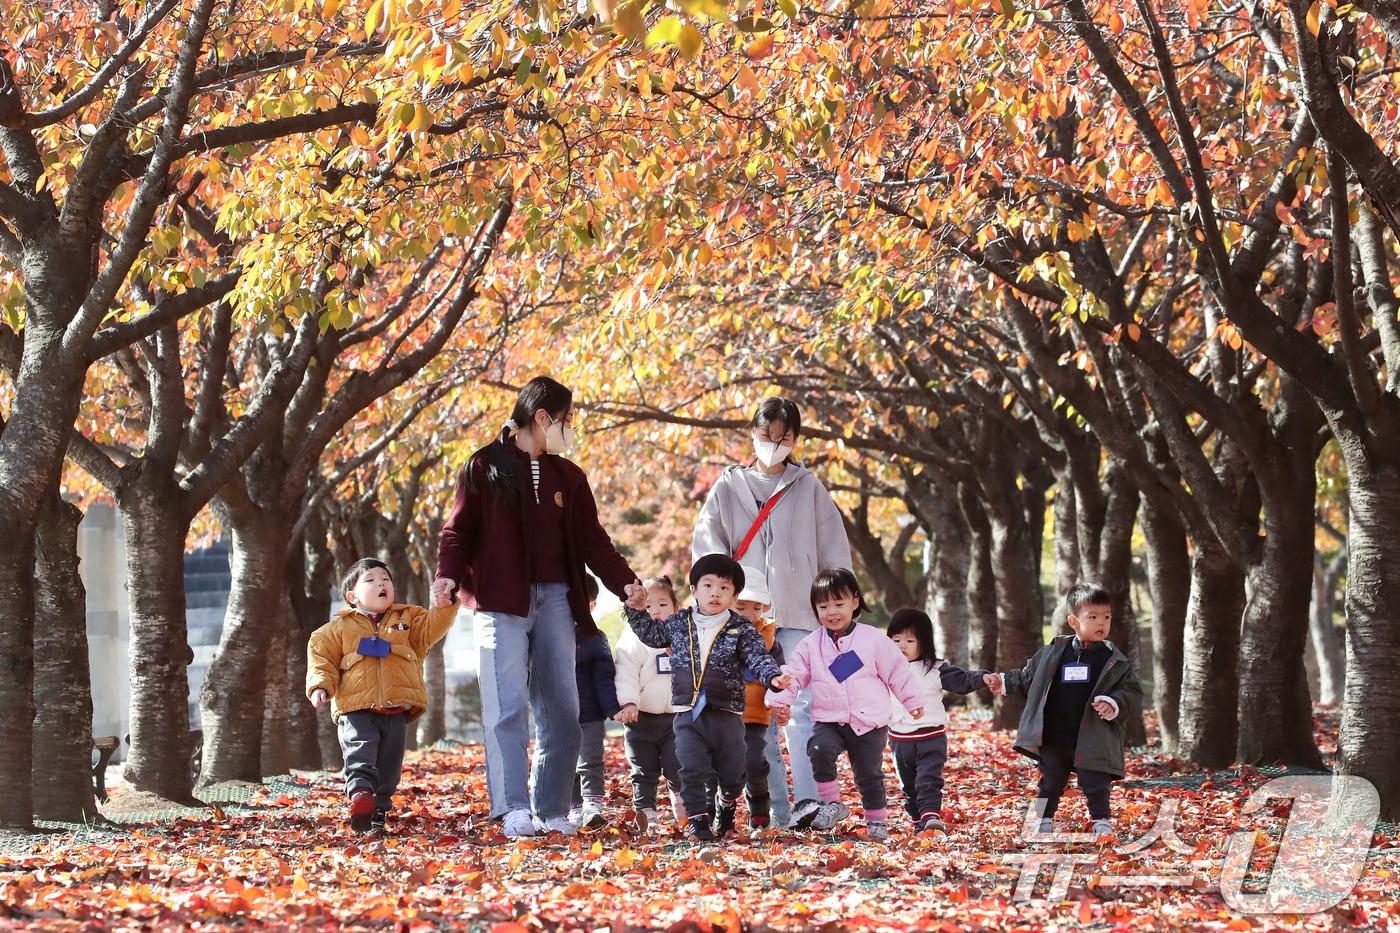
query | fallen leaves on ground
(293,864)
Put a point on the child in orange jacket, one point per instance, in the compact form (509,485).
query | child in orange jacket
(367,663)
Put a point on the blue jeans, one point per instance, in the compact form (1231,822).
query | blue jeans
(527,664)
(799,733)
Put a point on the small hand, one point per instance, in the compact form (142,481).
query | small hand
(783,714)
(443,592)
(636,595)
(627,715)
(319,698)
(917,713)
(785,682)
(995,683)
(1105,709)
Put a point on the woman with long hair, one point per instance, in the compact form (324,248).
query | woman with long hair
(518,544)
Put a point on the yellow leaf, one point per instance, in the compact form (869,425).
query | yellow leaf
(1315,17)
(628,21)
(760,47)
(330,8)
(690,41)
(422,117)
(372,18)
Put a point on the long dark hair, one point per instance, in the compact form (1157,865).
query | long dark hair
(917,622)
(778,409)
(502,468)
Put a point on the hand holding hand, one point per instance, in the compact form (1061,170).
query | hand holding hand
(783,714)
(626,715)
(319,698)
(443,592)
(785,682)
(636,595)
(995,683)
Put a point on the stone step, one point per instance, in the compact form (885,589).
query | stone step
(204,582)
(206,599)
(204,562)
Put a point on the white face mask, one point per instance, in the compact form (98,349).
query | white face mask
(769,453)
(558,438)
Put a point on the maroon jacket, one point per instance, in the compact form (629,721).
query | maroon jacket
(483,546)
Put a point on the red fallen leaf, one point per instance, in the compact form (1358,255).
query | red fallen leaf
(510,927)
(840,861)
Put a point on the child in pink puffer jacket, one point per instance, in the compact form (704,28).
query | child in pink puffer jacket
(853,670)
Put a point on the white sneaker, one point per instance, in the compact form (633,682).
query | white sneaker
(590,816)
(877,832)
(803,814)
(518,823)
(556,824)
(1103,828)
(829,815)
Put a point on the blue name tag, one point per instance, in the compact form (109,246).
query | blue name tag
(846,664)
(372,646)
(699,706)
(1074,674)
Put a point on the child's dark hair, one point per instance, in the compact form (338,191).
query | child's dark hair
(502,470)
(361,567)
(664,582)
(917,622)
(835,584)
(1087,594)
(590,587)
(718,565)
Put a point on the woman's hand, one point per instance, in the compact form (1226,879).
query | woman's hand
(319,698)
(627,715)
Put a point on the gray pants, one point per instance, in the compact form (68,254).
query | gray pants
(865,752)
(712,743)
(588,780)
(373,744)
(756,790)
(651,751)
(920,765)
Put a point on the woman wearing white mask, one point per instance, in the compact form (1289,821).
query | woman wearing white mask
(522,530)
(776,517)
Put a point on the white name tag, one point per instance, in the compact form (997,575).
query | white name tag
(1075,674)
(663,664)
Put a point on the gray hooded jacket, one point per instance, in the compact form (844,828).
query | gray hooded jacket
(803,536)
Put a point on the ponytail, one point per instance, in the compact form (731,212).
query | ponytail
(502,466)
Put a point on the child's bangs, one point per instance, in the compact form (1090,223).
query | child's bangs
(828,589)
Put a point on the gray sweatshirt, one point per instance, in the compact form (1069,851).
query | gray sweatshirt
(803,536)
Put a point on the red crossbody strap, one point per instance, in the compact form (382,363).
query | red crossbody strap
(763,514)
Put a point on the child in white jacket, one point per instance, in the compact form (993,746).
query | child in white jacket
(920,743)
(643,684)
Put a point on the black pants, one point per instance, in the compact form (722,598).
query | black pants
(712,743)
(756,792)
(920,765)
(865,752)
(1056,763)
(651,751)
(372,744)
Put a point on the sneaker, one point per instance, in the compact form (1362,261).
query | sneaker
(590,816)
(518,823)
(829,815)
(361,810)
(379,824)
(1103,829)
(645,818)
(575,815)
(877,832)
(724,820)
(760,821)
(1045,827)
(557,824)
(699,830)
(932,824)
(804,813)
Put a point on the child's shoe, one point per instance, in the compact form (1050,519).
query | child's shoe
(378,826)
(829,815)
(877,831)
(557,824)
(1102,829)
(932,823)
(758,822)
(590,815)
(803,814)
(724,819)
(518,823)
(361,810)
(645,819)
(698,830)
(1045,827)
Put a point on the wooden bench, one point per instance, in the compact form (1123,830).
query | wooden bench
(106,746)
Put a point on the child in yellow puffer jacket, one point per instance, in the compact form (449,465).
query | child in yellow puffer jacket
(368,663)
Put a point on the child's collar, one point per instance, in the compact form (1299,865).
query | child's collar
(837,636)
